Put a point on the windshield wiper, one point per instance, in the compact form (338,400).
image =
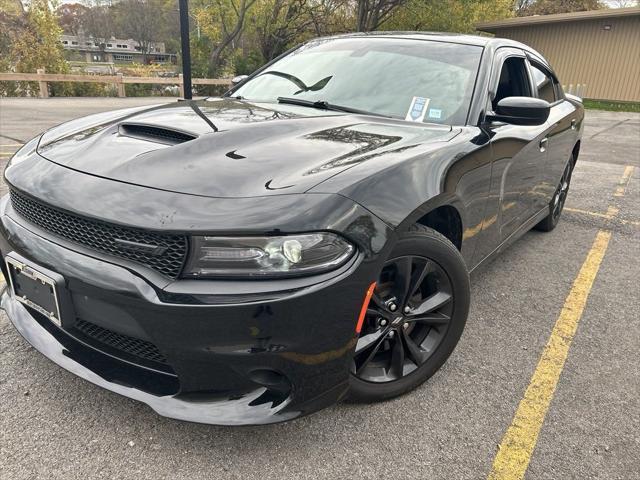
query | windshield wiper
(324,105)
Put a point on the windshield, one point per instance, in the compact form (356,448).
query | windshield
(417,80)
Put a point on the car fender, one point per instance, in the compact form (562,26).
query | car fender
(406,189)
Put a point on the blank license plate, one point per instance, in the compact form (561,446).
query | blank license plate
(34,288)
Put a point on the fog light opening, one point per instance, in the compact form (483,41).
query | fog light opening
(278,387)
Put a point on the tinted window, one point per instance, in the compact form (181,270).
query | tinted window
(513,81)
(544,84)
(394,77)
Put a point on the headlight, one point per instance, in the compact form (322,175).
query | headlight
(259,257)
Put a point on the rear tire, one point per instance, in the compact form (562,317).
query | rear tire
(556,205)
(413,340)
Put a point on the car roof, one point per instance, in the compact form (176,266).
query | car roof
(492,43)
(438,36)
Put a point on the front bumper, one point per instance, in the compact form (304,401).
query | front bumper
(219,411)
(231,359)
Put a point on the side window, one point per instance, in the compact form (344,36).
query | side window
(514,81)
(544,84)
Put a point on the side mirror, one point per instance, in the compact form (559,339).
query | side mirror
(521,111)
(239,79)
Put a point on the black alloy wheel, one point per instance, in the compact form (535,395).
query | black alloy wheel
(557,202)
(414,319)
(561,193)
(407,318)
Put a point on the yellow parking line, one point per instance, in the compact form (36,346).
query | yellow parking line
(611,214)
(587,212)
(514,452)
(624,181)
(612,211)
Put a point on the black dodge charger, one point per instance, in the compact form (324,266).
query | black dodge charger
(304,238)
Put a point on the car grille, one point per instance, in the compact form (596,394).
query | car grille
(130,345)
(102,236)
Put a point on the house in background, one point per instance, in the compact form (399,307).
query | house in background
(114,50)
(595,54)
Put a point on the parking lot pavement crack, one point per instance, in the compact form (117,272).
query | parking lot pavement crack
(609,127)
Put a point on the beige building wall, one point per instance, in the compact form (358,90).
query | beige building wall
(603,54)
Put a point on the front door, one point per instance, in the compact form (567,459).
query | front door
(563,126)
(519,152)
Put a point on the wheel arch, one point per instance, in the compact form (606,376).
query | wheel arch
(446,220)
(444,214)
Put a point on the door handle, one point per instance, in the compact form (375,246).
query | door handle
(543,144)
(573,123)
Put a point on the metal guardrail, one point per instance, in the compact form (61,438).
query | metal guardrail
(118,80)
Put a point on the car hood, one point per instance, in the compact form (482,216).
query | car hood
(229,148)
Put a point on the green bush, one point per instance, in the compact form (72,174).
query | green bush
(81,89)
(138,89)
(611,106)
(246,65)
(209,90)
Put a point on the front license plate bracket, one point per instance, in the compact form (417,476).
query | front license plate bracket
(33,287)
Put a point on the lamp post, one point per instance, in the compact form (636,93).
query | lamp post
(186,49)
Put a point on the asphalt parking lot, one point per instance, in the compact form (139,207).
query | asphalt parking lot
(54,425)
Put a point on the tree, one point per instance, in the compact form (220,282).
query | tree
(12,22)
(280,22)
(140,20)
(11,7)
(448,15)
(34,43)
(371,14)
(548,7)
(98,22)
(222,21)
(623,3)
(331,16)
(38,45)
(70,17)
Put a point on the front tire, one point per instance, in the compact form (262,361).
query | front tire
(415,318)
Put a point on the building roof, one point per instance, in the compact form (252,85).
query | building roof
(492,27)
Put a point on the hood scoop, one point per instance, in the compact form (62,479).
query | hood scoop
(151,133)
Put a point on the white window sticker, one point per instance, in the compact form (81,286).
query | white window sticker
(435,113)
(417,109)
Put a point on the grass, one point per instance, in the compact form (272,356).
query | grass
(611,106)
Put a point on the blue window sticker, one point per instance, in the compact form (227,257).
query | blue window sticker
(435,113)
(417,109)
